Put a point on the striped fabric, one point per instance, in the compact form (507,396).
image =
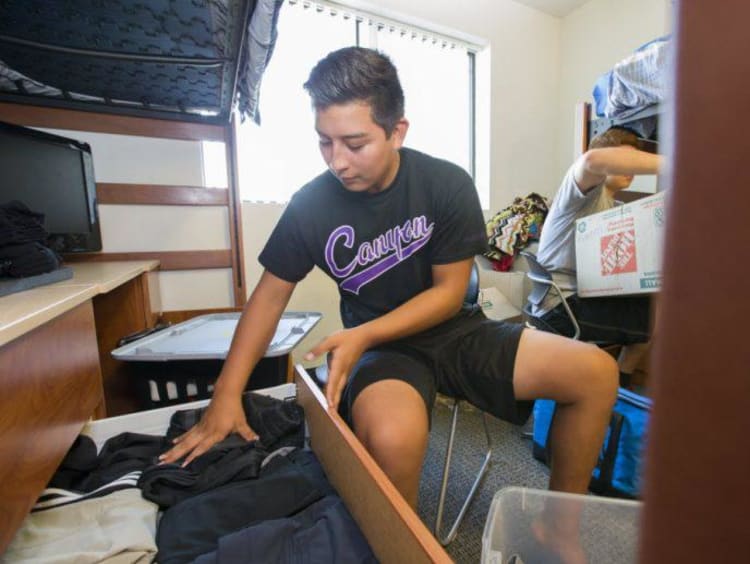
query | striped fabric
(57,497)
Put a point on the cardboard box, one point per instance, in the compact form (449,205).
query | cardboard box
(514,284)
(496,306)
(619,251)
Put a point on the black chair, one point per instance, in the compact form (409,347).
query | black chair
(472,295)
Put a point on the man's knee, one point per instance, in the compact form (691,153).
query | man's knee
(390,417)
(389,440)
(601,375)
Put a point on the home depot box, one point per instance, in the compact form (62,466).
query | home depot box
(619,251)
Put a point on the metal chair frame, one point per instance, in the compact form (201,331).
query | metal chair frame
(472,295)
(451,534)
(543,282)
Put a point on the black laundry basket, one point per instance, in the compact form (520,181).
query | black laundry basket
(159,384)
(181,363)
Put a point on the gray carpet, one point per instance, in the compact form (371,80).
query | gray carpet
(609,527)
(511,465)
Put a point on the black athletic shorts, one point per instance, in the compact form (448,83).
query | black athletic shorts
(474,363)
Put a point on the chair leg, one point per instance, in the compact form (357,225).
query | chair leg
(448,538)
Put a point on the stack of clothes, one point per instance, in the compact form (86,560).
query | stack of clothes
(241,502)
(513,228)
(23,249)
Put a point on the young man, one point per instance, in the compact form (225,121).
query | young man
(589,187)
(397,231)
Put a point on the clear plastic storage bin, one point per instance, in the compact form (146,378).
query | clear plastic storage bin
(609,527)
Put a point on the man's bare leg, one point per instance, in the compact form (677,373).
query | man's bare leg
(391,421)
(630,359)
(583,380)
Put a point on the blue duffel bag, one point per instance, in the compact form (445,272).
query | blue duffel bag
(619,469)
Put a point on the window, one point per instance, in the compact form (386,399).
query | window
(436,72)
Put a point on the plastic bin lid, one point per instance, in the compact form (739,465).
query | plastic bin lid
(209,336)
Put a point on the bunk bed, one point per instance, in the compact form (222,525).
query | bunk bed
(630,95)
(632,92)
(174,70)
(188,61)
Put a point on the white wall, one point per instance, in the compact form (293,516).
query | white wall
(525,86)
(145,160)
(595,37)
(316,292)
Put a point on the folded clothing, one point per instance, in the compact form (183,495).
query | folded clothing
(27,259)
(278,424)
(322,532)
(23,251)
(119,527)
(284,487)
(84,470)
(19,224)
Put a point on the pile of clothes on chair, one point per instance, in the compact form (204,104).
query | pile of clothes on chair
(513,228)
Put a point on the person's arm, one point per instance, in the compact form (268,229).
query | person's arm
(254,332)
(428,308)
(593,167)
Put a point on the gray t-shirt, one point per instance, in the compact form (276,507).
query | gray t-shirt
(557,251)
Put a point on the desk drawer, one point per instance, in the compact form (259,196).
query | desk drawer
(394,531)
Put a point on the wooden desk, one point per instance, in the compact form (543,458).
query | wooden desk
(122,305)
(55,371)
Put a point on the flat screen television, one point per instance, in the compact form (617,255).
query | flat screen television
(52,175)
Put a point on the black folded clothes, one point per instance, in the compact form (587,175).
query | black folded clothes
(23,249)
(234,485)
(278,423)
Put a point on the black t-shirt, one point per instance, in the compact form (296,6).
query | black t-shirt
(379,248)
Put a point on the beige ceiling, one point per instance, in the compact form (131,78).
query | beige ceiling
(554,7)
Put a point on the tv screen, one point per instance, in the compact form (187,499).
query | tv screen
(53,175)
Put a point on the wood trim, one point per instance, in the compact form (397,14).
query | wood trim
(235,214)
(169,260)
(160,194)
(697,460)
(76,120)
(178,316)
(121,311)
(581,129)
(151,291)
(290,368)
(394,531)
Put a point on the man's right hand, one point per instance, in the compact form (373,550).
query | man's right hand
(223,416)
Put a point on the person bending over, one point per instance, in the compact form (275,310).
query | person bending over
(397,230)
(589,187)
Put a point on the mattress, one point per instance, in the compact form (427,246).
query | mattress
(178,59)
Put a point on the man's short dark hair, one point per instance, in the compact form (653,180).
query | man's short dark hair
(614,137)
(356,73)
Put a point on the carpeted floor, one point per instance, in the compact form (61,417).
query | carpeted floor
(609,527)
(511,465)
